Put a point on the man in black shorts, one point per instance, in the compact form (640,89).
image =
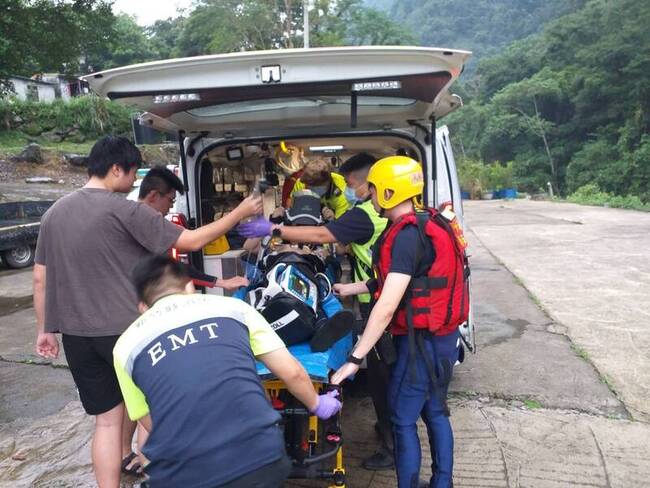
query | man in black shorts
(88,244)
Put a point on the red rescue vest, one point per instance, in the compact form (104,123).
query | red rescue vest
(439,300)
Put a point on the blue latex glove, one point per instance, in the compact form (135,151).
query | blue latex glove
(328,405)
(258,227)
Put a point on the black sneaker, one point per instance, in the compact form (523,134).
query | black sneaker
(331,330)
(379,461)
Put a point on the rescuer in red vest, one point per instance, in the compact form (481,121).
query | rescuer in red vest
(421,294)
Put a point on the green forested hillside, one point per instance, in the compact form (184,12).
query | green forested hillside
(570,105)
(84,36)
(481,26)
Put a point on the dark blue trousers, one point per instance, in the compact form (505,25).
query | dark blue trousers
(413,397)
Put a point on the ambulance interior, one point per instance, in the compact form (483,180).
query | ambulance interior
(228,173)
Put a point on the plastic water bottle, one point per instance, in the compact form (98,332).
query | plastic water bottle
(449,214)
(258,190)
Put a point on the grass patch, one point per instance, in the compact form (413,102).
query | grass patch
(82,120)
(82,148)
(591,194)
(607,381)
(580,352)
(13,142)
(94,116)
(532,404)
(604,379)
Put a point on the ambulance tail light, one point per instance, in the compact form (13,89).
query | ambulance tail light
(178,219)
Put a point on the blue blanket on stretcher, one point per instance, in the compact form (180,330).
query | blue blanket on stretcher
(317,364)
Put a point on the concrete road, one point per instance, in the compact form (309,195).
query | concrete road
(533,408)
(523,355)
(20,192)
(589,268)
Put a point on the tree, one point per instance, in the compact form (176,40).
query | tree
(219,26)
(524,98)
(572,102)
(164,34)
(375,28)
(484,27)
(48,35)
(276,24)
(127,44)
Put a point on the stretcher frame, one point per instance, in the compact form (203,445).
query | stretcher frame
(309,467)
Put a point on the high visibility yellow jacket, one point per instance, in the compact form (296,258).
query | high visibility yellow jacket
(334,198)
(362,253)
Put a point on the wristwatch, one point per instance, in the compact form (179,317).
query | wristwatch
(276,232)
(354,360)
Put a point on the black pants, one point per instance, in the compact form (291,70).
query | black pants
(272,475)
(378,380)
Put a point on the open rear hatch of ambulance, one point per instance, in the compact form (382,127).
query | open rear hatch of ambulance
(320,92)
(255,93)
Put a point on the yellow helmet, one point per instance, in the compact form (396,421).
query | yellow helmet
(400,174)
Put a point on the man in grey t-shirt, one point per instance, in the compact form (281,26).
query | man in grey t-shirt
(88,244)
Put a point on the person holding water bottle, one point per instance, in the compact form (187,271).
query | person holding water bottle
(88,243)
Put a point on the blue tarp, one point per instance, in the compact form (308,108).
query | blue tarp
(317,364)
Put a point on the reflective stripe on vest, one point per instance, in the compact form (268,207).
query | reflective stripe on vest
(363,252)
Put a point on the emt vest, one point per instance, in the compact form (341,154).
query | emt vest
(362,263)
(335,197)
(189,362)
(439,300)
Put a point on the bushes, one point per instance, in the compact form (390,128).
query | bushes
(499,176)
(469,176)
(88,116)
(476,177)
(591,194)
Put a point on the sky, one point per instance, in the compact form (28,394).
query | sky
(148,11)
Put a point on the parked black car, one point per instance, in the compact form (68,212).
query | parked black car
(19,226)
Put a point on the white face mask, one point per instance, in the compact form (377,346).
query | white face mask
(351,195)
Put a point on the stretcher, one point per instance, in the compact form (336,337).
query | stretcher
(314,446)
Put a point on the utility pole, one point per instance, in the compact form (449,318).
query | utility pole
(305,27)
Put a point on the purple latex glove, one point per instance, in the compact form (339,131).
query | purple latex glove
(328,405)
(258,227)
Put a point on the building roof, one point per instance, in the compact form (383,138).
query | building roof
(24,78)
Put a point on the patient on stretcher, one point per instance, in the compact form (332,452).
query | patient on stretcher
(291,285)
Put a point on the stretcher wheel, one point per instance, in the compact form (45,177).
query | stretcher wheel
(339,478)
